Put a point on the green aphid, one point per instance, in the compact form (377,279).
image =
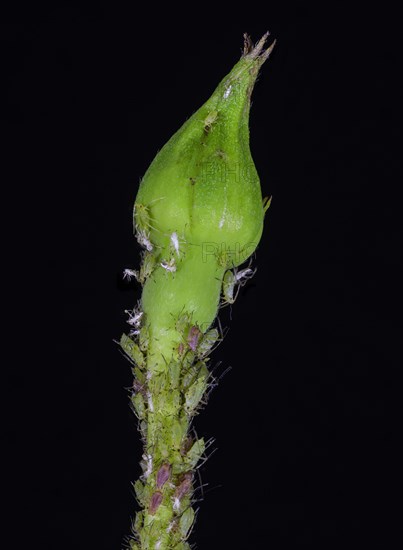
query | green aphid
(173,400)
(228,287)
(195,453)
(139,405)
(142,219)
(138,521)
(174,369)
(133,544)
(210,120)
(139,375)
(178,431)
(195,371)
(188,359)
(160,383)
(143,339)
(164,446)
(196,391)
(147,266)
(179,466)
(208,340)
(186,521)
(139,491)
(183,323)
(132,350)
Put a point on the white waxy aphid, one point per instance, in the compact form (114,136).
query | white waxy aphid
(176,504)
(186,521)
(169,266)
(150,402)
(232,278)
(175,242)
(144,240)
(170,526)
(129,273)
(227,91)
(134,317)
(148,459)
(158,544)
(244,274)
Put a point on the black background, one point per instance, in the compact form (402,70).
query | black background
(306,421)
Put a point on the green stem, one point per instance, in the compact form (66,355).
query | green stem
(199,214)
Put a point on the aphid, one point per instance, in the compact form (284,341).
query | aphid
(244,275)
(193,337)
(176,504)
(142,217)
(188,359)
(184,486)
(195,453)
(227,91)
(147,266)
(143,429)
(163,474)
(174,374)
(139,405)
(179,427)
(195,393)
(181,348)
(150,401)
(186,521)
(143,238)
(175,242)
(129,273)
(228,286)
(169,266)
(182,323)
(173,525)
(186,445)
(155,501)
(147,465)
(139,520)
(134,317)
(158,544)
(207,342)
(231,279)
(138,387)
(210,120)
(132,350)
(190,374)
(139,491)
(143,338)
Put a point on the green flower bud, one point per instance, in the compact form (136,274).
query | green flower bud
(199,209)
(203,184)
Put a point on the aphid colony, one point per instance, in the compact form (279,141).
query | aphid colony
(177,392)
(233,278)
